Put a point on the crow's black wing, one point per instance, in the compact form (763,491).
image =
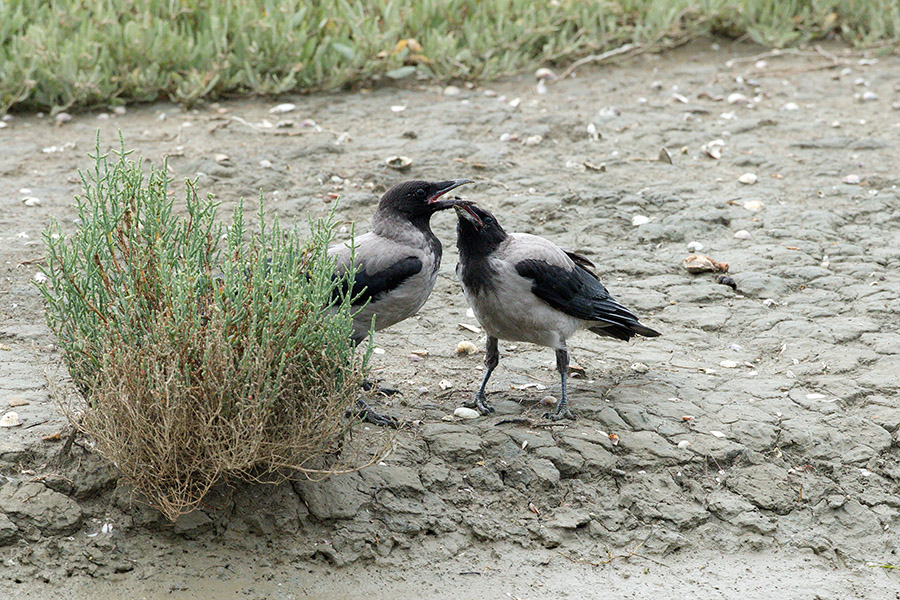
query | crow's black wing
(370,287)
(578,293)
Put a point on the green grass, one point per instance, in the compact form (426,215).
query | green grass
(56,54)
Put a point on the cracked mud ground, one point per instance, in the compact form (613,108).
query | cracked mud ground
(757,451)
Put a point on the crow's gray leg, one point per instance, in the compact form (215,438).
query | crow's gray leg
(562,409)
(491,359)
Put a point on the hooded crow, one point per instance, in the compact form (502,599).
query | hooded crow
(526,288)
(398,260)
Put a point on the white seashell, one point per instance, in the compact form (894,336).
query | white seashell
(533,140)
(639,367)
(760,64)
(683,444)
(549,401)
(445,384)
(869,96)
(31,201)
(400,163)
(10,419)
(851,179)
(737,98)
(378,350)
(468,327)
(742,234)
(398,108)
(754,205)
(508,137)
(748,178)
(265,164)
(694,246)
(592,132)
(282,108)
(466,413)
(680,98)
(728,364)
(790,106)
(466,347)
(769,302)
(515,102)
(713,148)
(717,434)
(638,220)
(451,90)
(39,277)
(221,158)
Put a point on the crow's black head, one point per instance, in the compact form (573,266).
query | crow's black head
(478,232)
(416,200)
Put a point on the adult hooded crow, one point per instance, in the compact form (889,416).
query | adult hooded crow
(398,260)
(525,288)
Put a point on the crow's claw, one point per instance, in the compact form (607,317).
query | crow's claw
(479,403)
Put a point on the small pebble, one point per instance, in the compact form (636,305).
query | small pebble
(790,106)
(851,179)
(728,364)
(533,140)
(737,98)
(869,96)
(220,158)
(515,102)
(742,234)
(265,164)
(119,110)
(549,401)
(282,108)
(638,220)
(769,303)
(398,108)
(639,367)
(694,246)
(683,444)
(508,137)
(451,90)
(464,412)
(761,64)
(748,179)
(62,118)
(754,205)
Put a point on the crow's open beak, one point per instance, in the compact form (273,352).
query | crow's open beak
(464,211)
(442,188)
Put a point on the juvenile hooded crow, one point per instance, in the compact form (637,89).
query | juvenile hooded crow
(525,288)
(398,260)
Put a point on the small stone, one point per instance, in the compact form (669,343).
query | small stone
(639,367)
(465,348)
(282,108)
(683,444)
(220,158)
(748,178)
(508,137)
(728,364)
(398,108)
(742,234)
(62,118)
(694,246)
(868,96)
(737,98)
(265,164)
(549,401)
(451,90)
(533,140)
(754,205)
(790,106)
(638,220)
(851,179)
(466,413)
(515,102)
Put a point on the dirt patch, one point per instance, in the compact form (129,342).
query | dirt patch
(757,439)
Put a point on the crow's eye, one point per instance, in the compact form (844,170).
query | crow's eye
(420,193)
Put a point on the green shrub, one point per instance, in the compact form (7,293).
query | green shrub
(202,351)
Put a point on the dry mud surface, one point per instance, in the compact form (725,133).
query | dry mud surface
(757,452)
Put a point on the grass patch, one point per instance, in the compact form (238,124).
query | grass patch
(64,53)
(202,352)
